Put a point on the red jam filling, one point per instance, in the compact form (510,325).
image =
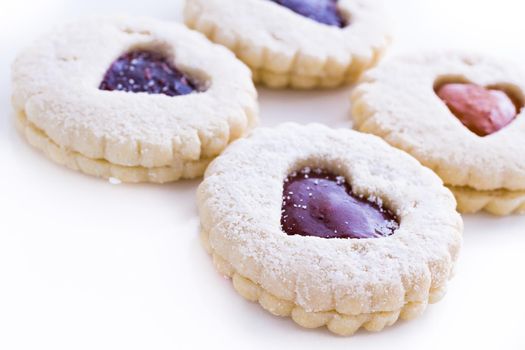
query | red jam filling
(146,71)
(484,111)
(322,11)
(321,204)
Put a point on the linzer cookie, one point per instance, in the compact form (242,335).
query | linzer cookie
(461,115)
(132,98)
(329,227)
(297,43)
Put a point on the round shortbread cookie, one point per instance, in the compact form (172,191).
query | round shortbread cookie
(135,136)
(344,284)
(398,102)
(284,48)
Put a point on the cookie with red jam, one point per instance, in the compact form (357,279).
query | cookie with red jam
(461,115)
(136,99)
(329,227)
(301,44)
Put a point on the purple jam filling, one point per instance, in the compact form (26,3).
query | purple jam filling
(322,11)
(321,204)
(146,71)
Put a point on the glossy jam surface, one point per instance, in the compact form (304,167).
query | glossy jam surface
(322,11)
(146,71)
(321,204)
(484,111)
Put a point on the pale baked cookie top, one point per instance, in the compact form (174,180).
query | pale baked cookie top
(277,41)
(56,86)
(398,101)
(240,204)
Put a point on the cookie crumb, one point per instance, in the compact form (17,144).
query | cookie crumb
(114,181)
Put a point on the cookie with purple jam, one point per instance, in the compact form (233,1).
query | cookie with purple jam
(296,43)
(461,115)
(329,227)
(136,99)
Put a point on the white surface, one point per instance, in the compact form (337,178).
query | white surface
(85,264)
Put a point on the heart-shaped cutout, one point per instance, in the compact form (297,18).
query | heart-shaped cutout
(146,71)
(321,204)
(483,111)
(322,11)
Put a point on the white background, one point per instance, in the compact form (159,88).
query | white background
(89,265)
